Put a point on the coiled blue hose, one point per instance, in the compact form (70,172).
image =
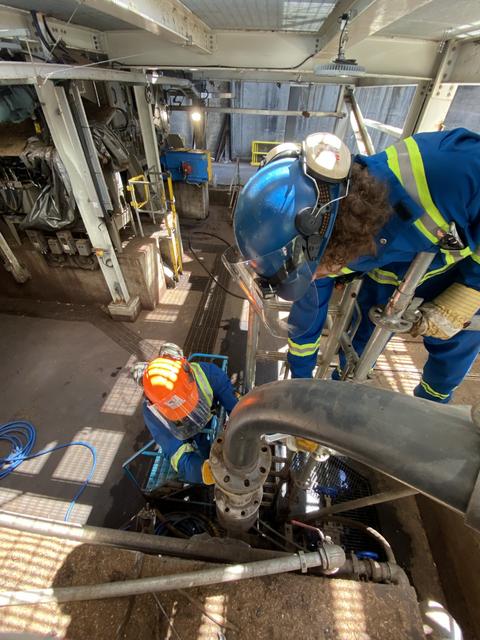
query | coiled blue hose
(20,436)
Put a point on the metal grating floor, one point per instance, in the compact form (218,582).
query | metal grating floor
(203,332)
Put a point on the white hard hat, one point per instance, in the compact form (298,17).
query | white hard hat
(327,157)
(284,150)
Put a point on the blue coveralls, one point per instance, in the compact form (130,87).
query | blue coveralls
(188,456)
(433,180)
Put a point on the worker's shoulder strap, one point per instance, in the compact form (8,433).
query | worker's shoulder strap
(405,161)
(202,381)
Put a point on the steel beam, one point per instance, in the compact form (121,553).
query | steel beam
(395,132)
(285,56)
(367,18)
(61,124)
(466,67)
(17,23)
(38,72)
(18,271)
(170,19)
(364,142)
(432,101)
(260,112)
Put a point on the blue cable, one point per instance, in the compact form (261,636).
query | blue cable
(20,436)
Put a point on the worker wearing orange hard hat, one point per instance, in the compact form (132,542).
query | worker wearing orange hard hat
(178,401)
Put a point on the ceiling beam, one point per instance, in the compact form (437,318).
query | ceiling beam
(40,72)
(16,23)
(284,56)
(167,18)
(367,17)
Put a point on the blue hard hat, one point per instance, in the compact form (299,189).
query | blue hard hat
(275,227)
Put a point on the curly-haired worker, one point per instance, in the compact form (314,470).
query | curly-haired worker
(313,213)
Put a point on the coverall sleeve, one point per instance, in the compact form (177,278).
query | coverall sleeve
(183,457)
(303,350)
(221,386)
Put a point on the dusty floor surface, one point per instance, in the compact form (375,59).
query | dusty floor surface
(271,608)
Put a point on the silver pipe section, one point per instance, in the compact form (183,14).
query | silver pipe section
(340,325)
(217,575)
(213,550)
(360,503)
(391,318)
(430,447)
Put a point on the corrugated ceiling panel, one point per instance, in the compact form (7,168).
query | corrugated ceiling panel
(438,19)
(286,15)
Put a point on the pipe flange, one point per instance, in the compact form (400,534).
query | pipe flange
(241,481)
(394,324)
(237,511)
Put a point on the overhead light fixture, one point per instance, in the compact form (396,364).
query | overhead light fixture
(341,67)
(196,116)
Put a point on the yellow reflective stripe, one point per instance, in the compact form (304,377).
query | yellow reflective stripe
(203,382)
(432,392)
(423,229)
(303,350)
(346,271)
(453,257)
(388,277)
(422,185)
(392,161)
(476,255)
(384,277)
(435,272)
(175,459)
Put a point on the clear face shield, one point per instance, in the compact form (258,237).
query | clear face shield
(184,409)
(286,275)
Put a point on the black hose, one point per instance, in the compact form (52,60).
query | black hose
(207,271)
(430,447)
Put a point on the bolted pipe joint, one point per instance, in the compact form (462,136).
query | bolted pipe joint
(239,491)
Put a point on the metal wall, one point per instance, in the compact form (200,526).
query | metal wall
(385,104)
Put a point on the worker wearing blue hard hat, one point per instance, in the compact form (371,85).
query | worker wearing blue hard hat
(313,213)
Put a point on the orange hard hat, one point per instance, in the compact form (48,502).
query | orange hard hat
(170,385)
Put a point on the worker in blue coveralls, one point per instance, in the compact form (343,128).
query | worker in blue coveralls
(178,400)
(313,214)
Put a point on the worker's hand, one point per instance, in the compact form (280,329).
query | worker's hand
(448,313)
(207,475)
(137,372)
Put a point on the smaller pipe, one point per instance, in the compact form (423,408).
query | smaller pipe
(349,522)
(119,589)
(368,501)
(261,112)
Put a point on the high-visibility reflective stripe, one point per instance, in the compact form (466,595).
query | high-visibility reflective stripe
(452,257)
(392,161)
(303,350)
(432,392)
(384,277)
(343,271)
(175,459)
(476,255)
(405,161)
(203,382)
(388,277)
(422,186)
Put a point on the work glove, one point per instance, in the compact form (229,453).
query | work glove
(137,372)
(448,313)
(207,475)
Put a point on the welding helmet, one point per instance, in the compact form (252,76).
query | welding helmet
(283,221)
(178,401)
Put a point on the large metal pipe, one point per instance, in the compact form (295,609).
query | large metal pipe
(330,561)
(213,550)
(431,447)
